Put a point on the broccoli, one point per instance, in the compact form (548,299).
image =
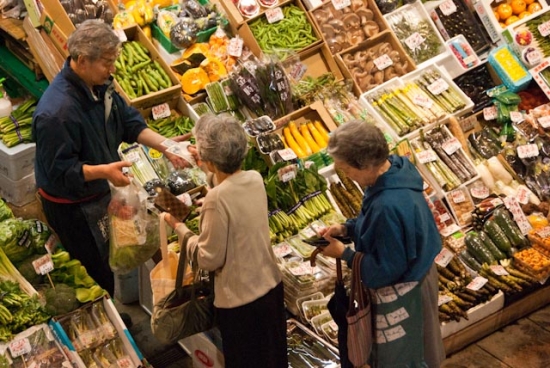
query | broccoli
(60,300)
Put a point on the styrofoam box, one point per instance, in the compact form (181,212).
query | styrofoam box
(205,349)
(144,284)
(475,314)
(17,162)
(18,192)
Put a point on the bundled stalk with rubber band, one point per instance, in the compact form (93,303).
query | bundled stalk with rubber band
(16,127)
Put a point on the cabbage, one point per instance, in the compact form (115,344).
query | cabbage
(15,239)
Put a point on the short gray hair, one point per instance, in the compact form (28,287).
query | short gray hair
(360,145)
(92,39)
(222,141)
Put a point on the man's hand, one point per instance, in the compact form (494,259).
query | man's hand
(115,174)
(177,161)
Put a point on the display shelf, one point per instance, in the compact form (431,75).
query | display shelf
(21,73)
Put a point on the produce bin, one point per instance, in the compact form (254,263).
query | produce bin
(18,161)
(18,192)
(313,62)
(237,18)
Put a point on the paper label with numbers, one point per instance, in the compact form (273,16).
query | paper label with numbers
(298,70)
(528,150)
(469,59)
(522,194)
(287,154)
(125,362)
(490,113)
(544,121)
(288,176)
(19,347)
(444,257)
(382,62)
(341,4)
(274,15)
(498,270)
(448,7)
(235,47)
(534,57)
(451,146)
(423,101)
(451,229)
(282,249)
(426,156)
(516,116)
(458,196)
(544,29)
(544,232)
(480,192)
(161,111)
(308,232)
(132,157)
(443,299)
(477,283)
(438,87)
(397,316)
(414,41)
(304,269)
(43,265)
(468,123)
(517,213)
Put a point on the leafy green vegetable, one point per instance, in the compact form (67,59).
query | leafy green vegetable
(15,239)
(40,233)
(60,300)
(5,211)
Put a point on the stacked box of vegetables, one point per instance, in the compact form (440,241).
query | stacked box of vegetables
(16,127)
(294,31)
(348,26)
(416,32)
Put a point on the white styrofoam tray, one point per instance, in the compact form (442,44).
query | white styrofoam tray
(18,192)
(18,161)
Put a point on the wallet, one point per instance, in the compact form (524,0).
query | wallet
(169,203)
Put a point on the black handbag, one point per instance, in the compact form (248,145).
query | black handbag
(188,309)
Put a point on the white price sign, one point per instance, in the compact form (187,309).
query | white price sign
(19,347)
(382,62)
(544,29)
(517,213)
(161,111)
(534,57)
(480,192)
(235,47)
(414,41)
(444,217)
(341,4)
(274,15)
(443,299)
(304,269)
(522,194)
(451,146)
(423,101)
(444,257)
(132,157)
(498,270)
(438,87)
(477,283)
(528,150)
(282,249)
(298,70)
(43,265)
(448,7)
(458,196)
(287,154)
(544,121)
(468,123)
(516,116)
(426,156)
(490,113)
(450,230)
(544,232)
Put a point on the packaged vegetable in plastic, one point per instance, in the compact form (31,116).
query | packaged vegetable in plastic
(133,232)
(184,33)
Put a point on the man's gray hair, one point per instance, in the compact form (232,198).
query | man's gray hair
(222,141)
(360,145)
(92,39)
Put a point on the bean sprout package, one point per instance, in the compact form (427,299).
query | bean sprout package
(133,231)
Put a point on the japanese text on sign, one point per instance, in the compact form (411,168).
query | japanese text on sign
(382,62)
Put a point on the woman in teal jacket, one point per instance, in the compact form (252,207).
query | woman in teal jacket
(397,234)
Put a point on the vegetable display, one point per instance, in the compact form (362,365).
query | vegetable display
(16,127)
(137,73)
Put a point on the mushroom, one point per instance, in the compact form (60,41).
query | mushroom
(356,4)
(351,21)
(389,73)
(328,30)
(334,45)
(350,60)
(394,56)
(355,36)
(370,28)
(368,66)
(401,68)
(378,77)
(384,48)
(365,14)
(337,24)
(365,82)
(322,15)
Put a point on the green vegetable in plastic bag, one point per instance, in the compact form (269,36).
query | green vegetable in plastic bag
(15,239)
(40,233)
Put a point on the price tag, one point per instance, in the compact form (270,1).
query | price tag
(517,213)
(444,217)
(121,35)
(43,265)
(468,123)
(444,257)
(499,270)
(477,283)
(341,4)
(423,101)
(298,70)
(544,121)
(19,347)
(544,29)
(490,113)
(414,41)
(522,194)
(544,232)
(528,150)
(469,59)
(480,192)
(451,229)
(161,111)
(288,176)
(458,196)
(426,156)
(282,249)
(516,116)
(132,157)
(443,299)
(438,87)
(274,15)
(382,62)
(235,47)
(287,154)
(124,362)
(308,232)
(534,57)
(451,146)
(304,269)
(448,7)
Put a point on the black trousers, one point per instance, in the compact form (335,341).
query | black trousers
(254,335)
(71,226)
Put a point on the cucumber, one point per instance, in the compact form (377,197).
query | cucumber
(503,219)
(497,253)
(469,260)
(477,249)
(497,235)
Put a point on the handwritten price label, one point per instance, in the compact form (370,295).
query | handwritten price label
(274,15)
(523,194)
(444,217)
(443,299)
(304,269)
(544,121)
(282,249)
(513,206)
(528,150)
(480,192)
(341,4)
(414,41)
(458,196)
(426,156)
(544,29)
(544,232)
(444,257)
(19,347)
(287,154)
(382,62)
(477,283)
(423,101)
(235,47)
(298,70)
(161,111)
(43,265)
(124,362)
(451,229)
(448,7)
(438,87)
(534,57)
(451,146)
(490,113)
(516,116)
(499,270)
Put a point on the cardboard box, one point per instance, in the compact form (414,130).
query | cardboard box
(246,33)
(135,33)
(44,51)
(18,192)
(34,9)
(335,19)
(53,28)
(383,37)
(315,111)
(314,62)
(205,349)
(179,104)
(18,161)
